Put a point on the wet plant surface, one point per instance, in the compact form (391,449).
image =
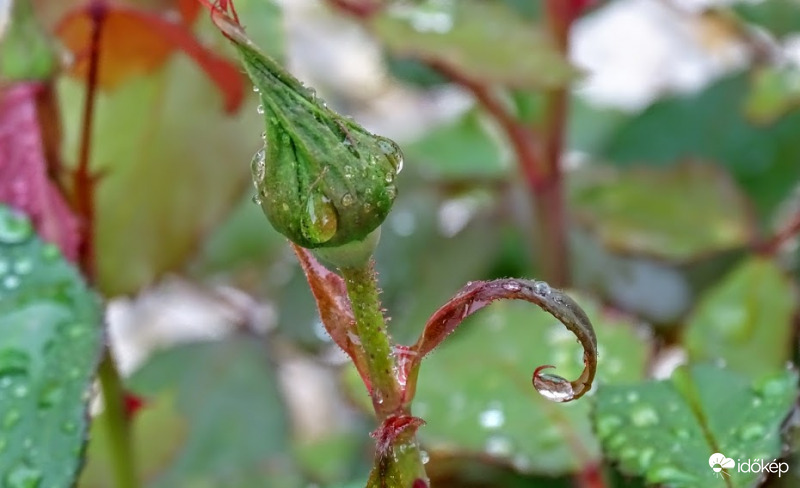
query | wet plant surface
(534,291)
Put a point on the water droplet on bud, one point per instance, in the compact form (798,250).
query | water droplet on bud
(347,200)
(260,109)
(320,222)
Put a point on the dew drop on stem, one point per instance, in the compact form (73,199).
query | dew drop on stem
(552,387)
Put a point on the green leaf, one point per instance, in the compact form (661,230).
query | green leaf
(26,53)
(159,432)
(475,394)
(774,92)
(711,125)
(674,213)
(462,149)
(237,434)
(780,17)
(50,341)
(745,320)
(667,430)
(484,40)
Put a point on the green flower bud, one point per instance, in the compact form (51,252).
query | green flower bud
(322,180)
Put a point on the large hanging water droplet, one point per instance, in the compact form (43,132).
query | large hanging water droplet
(392,152)
(553,387)
(320,222)
(14,229)
(23,476)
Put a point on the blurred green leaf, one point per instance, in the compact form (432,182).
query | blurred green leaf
(462,149)
(237,434)
(745,320)
(159,432)
(173,165)
(50,339)
(711,125)
(482,39)
(26,52)
(476,397)
(675,213)
(667,430)
(780,17)
(332,459)
(774,92)
(245,239)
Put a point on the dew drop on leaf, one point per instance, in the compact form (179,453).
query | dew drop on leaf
(14,229)
(22,476)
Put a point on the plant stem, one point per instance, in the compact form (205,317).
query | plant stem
(362,288)
(117,426)
(773,244)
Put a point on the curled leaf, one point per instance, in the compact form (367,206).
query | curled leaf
(330,293)
(479,294)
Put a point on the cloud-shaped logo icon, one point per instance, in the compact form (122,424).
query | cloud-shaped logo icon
(718,462)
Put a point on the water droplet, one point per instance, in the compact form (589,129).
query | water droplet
(23,266)
(50,252)
(644,416)
(424,457)
(541,288)
(23,476)
(50,395)
(752,432)
(20,391)
(553,387)
(14,228)
(347,200)
(389,177)
(69,427)
(11,418)
(264,135)
(511,286)
(391,191)
(260,109)
(498,446)
(11,282)
(608,424)
(257,200)
(392,152)
(645,456)
(258,166)
(320,222)
(348,172)
(492,418)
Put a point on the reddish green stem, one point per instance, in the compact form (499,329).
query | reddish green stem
(84,182)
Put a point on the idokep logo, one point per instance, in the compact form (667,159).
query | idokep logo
(718,462)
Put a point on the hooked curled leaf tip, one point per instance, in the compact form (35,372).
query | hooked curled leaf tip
(224,16)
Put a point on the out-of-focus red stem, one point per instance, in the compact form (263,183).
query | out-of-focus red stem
(84,180)
(522,139)
(773,244)
(362,9)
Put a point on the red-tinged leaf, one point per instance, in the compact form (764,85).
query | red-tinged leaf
(135,42)
(330,293)
(189,10)
(479,294)
(24,182)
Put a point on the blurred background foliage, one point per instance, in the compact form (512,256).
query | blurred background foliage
(682,162)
